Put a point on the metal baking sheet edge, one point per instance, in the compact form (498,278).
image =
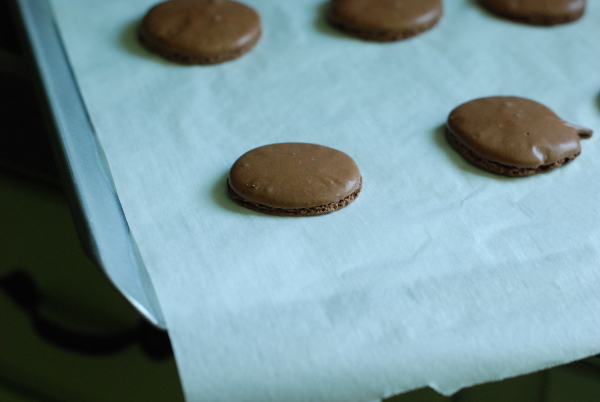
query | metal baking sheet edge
(97,211)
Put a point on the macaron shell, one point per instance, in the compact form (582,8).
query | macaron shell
(294,175)
(537,12)
(200,30)
(515,131)
(384,19)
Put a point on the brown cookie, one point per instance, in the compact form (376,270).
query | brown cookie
(384,20)
(294,179)
(537,12)
(513,136)
(200,31)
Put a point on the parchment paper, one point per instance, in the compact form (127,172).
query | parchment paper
(439,274)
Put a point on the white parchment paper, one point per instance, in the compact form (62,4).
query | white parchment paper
(438,274)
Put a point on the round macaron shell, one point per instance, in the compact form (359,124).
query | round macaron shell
(200,31)
(537,12)
(294,175)
(384,19)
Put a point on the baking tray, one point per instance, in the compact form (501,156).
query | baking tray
(205,328)
(96,208)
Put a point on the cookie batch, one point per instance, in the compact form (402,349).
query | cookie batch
(215,31)
(504,135)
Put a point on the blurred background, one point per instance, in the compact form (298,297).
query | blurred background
(65,333)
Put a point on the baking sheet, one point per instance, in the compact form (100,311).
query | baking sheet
(438,274)
(101,225)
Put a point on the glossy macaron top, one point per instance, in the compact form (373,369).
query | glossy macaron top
(206,29)
(538,12)
(384,19)
(515,131)
(294,175)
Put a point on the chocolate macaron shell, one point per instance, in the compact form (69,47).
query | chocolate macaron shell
(200,31)
(294,179)
(537,12)
(384,20)
(513,133)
